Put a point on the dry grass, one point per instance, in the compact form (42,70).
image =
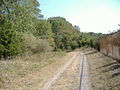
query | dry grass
(17,68)
(69,79)
(105,72)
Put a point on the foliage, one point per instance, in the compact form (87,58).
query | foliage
(16,16)
(65,35)
(21,13)
(11,42)
(29,43)
(21,20)
(42,46)
(90,39)
(44,31)
(33,45)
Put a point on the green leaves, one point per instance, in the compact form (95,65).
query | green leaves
(11,43)
(65,36)
(44,31)
(16,17)
(19,17)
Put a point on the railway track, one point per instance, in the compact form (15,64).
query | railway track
(84,83)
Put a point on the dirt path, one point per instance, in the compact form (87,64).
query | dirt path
(48,85)
(69,80)
(47,76)
(75,77)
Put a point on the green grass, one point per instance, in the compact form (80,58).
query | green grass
(104,71)
(19,67)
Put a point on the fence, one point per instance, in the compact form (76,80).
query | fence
(110,45)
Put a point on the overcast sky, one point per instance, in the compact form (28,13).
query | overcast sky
(91,15)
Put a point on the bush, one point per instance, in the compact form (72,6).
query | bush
(11,43)
(34,45)
(42,46)
(74,45)
(29,43)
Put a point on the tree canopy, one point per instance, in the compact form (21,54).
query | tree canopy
(23,29)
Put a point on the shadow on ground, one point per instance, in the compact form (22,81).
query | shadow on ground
(105,71)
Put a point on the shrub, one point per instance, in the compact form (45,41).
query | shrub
(42,46)
(29,42)
(34,45)
(74,45)
(11,43)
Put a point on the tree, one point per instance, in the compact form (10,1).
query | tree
(44,31)
(16,17)
(23,14)
(11,42)
(65,35)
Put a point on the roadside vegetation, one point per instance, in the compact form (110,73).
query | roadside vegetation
(15,69)
(28,42)
(23,29)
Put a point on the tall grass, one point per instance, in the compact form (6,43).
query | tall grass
(11,70)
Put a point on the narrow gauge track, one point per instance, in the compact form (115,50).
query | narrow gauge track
(84,83)
(81,72)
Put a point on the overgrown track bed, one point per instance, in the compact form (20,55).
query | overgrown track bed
(105,72)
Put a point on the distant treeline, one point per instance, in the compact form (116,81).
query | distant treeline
(23,31)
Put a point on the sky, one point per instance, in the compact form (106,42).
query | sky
(90,15)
